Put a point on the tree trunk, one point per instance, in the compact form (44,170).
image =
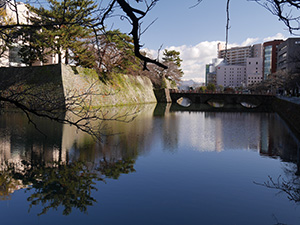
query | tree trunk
(67,57)
(59,58)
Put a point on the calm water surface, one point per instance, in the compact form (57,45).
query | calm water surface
(165,167)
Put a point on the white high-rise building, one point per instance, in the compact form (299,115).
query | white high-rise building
(242,66)
(254,70)
(231,75)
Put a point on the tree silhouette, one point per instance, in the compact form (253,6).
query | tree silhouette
(68,185)
(68,18)
(289,185)
(287,11)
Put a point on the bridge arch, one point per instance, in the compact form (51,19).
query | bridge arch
(245,100)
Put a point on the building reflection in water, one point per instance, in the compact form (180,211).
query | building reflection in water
(207,131)
(22,145)
(265,133)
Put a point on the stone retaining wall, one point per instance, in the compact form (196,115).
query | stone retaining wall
(120,90)
(65,82)
(290,112)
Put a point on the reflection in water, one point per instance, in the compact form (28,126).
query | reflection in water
(248,105)
(62,166)
(216,103)
(66,185)
(288,183)
(62,169)
(185,102)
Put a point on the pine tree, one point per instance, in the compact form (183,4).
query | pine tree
(64,30)
(172,59)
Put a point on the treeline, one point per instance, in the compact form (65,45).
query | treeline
(68,30)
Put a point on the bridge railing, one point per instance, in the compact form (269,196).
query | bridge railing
(220,92)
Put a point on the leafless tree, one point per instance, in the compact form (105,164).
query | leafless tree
(289,184)
(74,108)
(134,12)
(47,98)
(287,11)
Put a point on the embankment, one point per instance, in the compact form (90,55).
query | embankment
(289,112)
(66,82)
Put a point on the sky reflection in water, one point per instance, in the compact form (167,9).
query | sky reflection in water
(163,168)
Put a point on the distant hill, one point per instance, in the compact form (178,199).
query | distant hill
(187,84)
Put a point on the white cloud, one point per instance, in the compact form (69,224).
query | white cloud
(196,57)
(249,41)
(275,37)
(193,58)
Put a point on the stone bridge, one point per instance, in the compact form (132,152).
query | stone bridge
(225,98)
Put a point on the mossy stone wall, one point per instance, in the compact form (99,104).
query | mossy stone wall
(120,90)
(81,82)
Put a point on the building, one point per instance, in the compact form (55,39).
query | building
(239,55)
(10,56)
(242,67)
(288,57)
(231,75)
(270,50)
(254,70)
(211,72)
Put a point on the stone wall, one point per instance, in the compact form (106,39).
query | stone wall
(65,82)
(289,112)
(120,90)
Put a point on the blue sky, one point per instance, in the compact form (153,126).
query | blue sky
(195,32)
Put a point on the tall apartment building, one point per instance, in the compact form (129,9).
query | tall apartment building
(247,65)
(239,55)
(288,57)
(270,50)
(242,66)
(231,75)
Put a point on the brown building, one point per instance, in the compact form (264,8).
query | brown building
(270,50)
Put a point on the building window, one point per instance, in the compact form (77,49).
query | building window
(267,61)
(14,56)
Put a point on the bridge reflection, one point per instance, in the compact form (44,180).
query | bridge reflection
(223,101)
(206,107)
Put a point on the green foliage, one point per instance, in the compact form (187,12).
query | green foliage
(35,49)
(173,84)
(5,35)
(211,87)
(115,169)
(173,61)
(65,31)
(67,185)
(172,56)
(163,83)
(201,89)
(117,54)
(220,87)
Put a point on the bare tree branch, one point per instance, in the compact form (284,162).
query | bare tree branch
(287,11)
(135,31)
(227,28)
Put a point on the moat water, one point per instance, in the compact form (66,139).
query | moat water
(164,167)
